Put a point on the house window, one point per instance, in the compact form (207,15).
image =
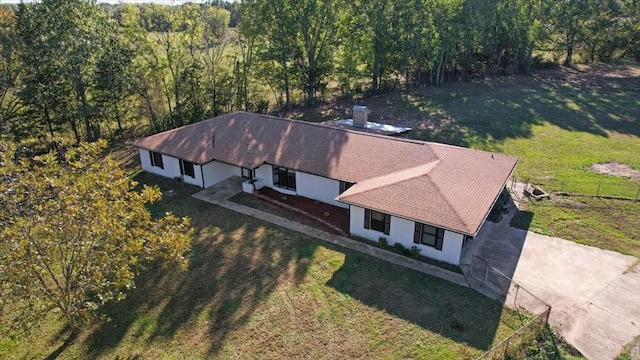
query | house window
(156,159)
(248,173)
(186,169)
(284,178)
(428,235)
(376,220)
(344,186)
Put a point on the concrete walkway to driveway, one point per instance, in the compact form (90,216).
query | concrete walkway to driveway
(594,294)
(219,193)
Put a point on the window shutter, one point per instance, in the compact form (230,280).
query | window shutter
(387,223)
(417,233)
(439,238)
(367,218)
(153,163)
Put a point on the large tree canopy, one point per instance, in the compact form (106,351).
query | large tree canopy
(77,67)
(73,233)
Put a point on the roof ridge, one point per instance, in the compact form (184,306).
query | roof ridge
(301,122)
(390,179)
(452,208)
(354,131)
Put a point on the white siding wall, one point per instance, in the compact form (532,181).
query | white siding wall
(401,231)
(237,171)
(264,173)
(318,188)
(171,165)
(197,179)
(214,172)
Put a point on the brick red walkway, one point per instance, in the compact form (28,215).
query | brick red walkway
(334,215)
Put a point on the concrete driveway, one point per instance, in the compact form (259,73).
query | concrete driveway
(594,293)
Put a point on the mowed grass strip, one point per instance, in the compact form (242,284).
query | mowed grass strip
(253,290)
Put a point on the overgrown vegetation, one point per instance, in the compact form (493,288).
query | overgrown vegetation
(548,345)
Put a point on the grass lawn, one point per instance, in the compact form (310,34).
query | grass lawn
(253,290)
(559,122)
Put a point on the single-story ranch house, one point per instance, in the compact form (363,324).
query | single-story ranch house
(430,195)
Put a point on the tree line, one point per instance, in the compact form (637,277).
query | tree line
(76,68)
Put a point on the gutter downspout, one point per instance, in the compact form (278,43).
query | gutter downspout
(202,175)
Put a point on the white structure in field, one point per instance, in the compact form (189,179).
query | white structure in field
(415,193)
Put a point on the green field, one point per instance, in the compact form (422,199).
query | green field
(255,290)
(558,122)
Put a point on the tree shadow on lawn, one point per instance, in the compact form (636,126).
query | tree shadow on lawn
(232,267)
(455,312)
(485,112)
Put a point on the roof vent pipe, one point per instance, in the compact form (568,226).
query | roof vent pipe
(360,116)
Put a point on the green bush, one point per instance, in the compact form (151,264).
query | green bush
(399,246)
(415,251)
(383,241)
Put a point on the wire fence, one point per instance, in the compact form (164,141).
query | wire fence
(514,346)
(601,189)
(533,312)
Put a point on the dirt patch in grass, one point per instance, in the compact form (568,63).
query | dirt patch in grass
(568,202)
(616,169)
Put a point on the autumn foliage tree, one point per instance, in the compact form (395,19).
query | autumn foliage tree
(74,231)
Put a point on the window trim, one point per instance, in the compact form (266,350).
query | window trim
(284,182)
(344,186)
(183,168)
(386,228)
(419,232)
(156,159)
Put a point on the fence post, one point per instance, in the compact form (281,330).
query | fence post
(506,347)
(638,193)
(599,184)
(562,186)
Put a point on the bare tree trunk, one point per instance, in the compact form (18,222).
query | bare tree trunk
(49,122)
(567,60)
(76,133)
(118,117)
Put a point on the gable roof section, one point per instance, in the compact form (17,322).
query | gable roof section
(441,185)
(456,192)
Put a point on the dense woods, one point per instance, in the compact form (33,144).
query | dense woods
(81,70)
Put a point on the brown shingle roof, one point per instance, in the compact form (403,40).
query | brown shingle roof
(443,185)
(457,193)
